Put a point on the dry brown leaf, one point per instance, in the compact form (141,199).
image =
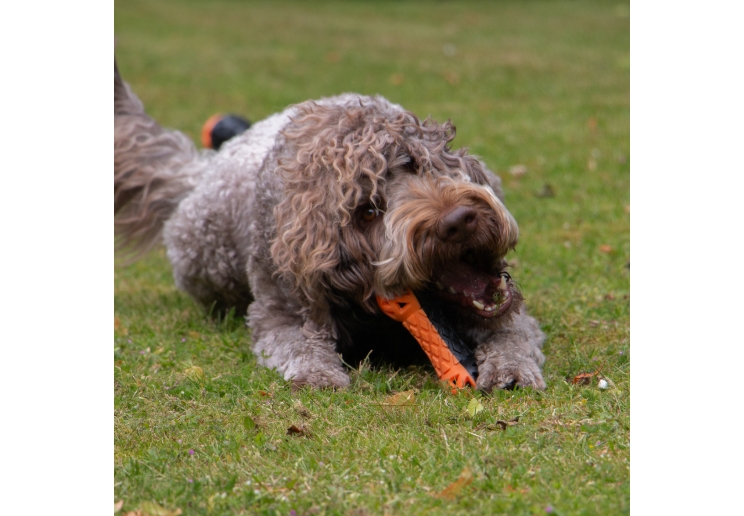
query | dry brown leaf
(604,248)
(451,491)
(584,378)
(499,424)
(301,430)
(117,323)
(405,398)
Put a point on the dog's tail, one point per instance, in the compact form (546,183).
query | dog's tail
(154,170)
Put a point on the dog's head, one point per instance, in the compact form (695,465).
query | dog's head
(376,202)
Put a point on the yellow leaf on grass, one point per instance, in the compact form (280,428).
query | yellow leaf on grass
(195,374)
(451,491)
(474,407)
(401,399)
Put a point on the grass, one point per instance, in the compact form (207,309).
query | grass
(541,87)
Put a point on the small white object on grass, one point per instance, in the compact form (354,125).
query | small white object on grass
(603,384)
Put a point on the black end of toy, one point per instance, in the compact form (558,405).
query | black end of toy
(220,128)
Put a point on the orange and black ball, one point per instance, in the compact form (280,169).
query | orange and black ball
(220,128)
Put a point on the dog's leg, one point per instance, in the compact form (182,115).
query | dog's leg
(512,356)
(286,339)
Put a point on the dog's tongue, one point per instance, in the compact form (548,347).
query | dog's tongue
(464,280)
(462,283)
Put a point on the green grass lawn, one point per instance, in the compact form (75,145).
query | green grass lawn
(540,90)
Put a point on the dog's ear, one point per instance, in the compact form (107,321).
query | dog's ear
(335,160)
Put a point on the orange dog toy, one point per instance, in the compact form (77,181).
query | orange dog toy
(407,310)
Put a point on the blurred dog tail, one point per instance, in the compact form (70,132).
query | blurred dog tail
(154,170)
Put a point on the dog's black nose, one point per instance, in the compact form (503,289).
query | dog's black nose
(458,224)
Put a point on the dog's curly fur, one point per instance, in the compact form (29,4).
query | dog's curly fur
(306,217)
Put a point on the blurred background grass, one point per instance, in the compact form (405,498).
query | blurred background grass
(538,89)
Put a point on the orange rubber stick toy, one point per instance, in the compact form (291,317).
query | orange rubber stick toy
(407,310)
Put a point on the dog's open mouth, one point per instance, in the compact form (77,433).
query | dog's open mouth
(467,284)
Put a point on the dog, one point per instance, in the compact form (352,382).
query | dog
(310,214)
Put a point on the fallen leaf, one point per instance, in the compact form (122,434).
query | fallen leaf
(503,424)
(474,407)
(118,505)
(545,192)
(117,323)
(249,424)
(301,430)
(584,378)
(401,399)
(591,123)
(518,170)
(266,394)
(451,491)
(195,374)
(333,57)
(604,248)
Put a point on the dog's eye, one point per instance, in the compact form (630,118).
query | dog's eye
(370,213)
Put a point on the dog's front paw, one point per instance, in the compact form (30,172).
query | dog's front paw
(499,372)
(334,378)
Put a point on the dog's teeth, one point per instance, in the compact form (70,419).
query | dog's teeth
(478,305)
(502,284)
(439,285)
(490,308)
(452,290)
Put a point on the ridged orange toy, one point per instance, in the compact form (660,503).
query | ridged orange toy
(407,310)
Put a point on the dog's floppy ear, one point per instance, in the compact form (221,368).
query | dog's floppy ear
(336,155)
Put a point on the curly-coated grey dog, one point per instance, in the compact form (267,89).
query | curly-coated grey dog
(310,214)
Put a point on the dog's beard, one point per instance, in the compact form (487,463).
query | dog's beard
(413,255)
